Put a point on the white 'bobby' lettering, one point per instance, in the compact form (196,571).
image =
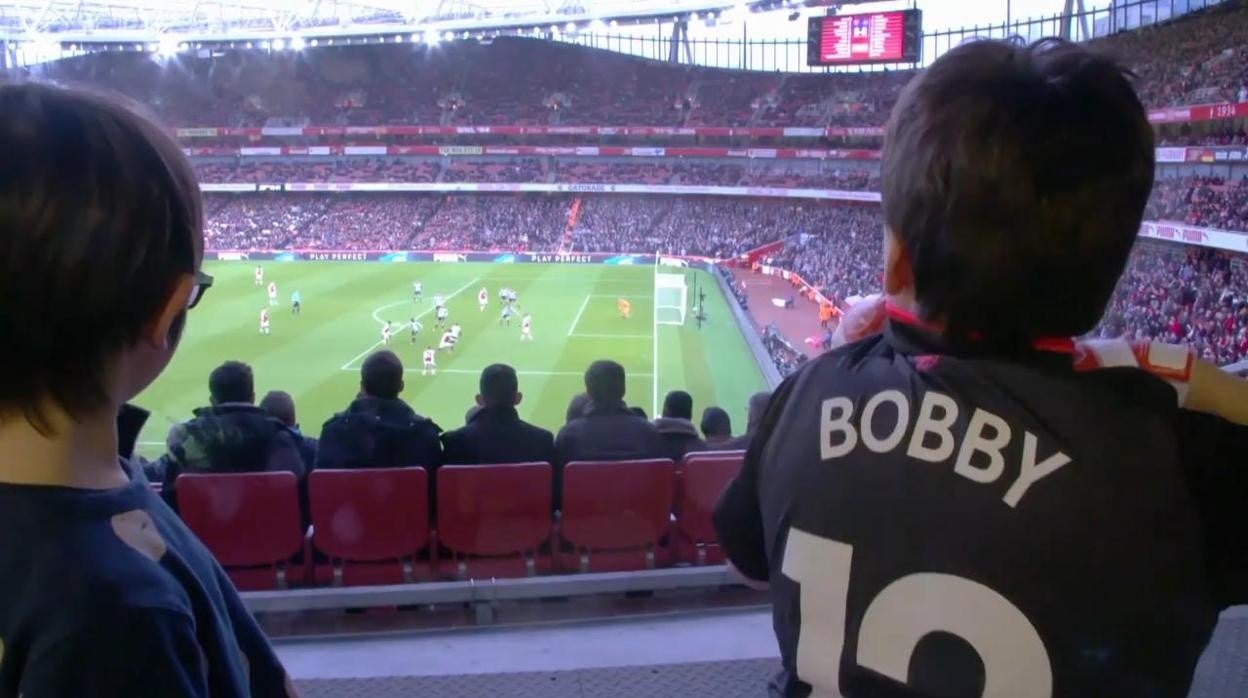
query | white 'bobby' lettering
(891,441)
(1031,471)
(829,426)
(975,440)
(942,428)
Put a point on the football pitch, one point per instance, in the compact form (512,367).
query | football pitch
(316,355)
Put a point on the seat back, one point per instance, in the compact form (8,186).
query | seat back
(494,509)
(619,504)
(704,476)
(245,519)
(370,514)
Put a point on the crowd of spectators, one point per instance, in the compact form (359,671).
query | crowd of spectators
(512,170)
(1210,202)
(1183,295)
(369,222)
(1197,59)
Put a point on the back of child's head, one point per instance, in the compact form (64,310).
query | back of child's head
(1014,179)
(100,219)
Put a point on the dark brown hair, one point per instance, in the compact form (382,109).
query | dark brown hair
(1015,178)
(100,214)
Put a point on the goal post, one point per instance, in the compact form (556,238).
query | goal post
(671,298)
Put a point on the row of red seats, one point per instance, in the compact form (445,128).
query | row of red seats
(371,527)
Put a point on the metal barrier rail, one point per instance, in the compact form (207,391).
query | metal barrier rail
(486,592)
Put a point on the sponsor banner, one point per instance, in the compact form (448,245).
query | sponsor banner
(554,150)
(460,150)
(587,150)
(1199,112)
(449,257)
(413,150)
(1200,155)
(673,262)
(253,152)
(472,129)
(318,150)
(196,132)
(269,187)
(1171,155)
(365,130)
(234,187)
(762,152)
(576,187)
(393,257)
(337,256)
(650,152)
(364,150)
(232,256)
(282,131)
(566,258)
(1191,235)
(1230,154)
(504,150)
(803,132)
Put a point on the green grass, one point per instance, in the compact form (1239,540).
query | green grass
(316,356)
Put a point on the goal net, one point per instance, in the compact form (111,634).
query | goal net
(671,299)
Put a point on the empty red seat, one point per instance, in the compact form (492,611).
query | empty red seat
(494,519)
(250,522)
(373,524)
(702,479)
(616,515)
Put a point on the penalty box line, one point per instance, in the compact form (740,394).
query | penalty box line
(402,326)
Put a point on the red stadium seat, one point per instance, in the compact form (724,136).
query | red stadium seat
(701,481)
(616,515)
(372,523)
(494,519)
(250,522)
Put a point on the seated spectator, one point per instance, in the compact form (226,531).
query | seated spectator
(107,592)
(576,407)
(676,428)
(608,430)
(753,415)
(716,428)
(378,430)
(231,435)
(495,433)
(281,406)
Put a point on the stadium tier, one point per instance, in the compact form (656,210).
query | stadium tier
(514,329)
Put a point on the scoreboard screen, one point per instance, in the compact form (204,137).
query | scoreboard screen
(876,37)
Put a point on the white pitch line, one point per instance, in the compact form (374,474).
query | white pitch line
(609,336)
(654,330)
(366,352)
(579,313)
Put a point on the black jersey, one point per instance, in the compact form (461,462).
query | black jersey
(941,523)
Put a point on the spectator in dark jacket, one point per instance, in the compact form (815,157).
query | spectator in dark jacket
(378,430)
(609,430)
(231,435)
(754,414)
(281,406)
(716,428)
(495,433)
(676,428)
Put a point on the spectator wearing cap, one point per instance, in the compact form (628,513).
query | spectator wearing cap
(494,432)
(676,428)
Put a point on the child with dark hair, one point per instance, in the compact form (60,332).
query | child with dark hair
(101,242)
(959,505)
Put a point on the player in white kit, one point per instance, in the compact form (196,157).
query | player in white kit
(264,321)
(507,313)
(439,301)
(272,293)
(416,327)
(443,313)
(417,289)
(259,275)
(456,330)
(431,365)
(385,333)
(526,328)
(483,298)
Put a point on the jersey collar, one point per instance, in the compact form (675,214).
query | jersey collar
(911,334)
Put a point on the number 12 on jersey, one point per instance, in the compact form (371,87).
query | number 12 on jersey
(1015,661)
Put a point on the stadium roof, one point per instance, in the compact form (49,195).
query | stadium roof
(148,20)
